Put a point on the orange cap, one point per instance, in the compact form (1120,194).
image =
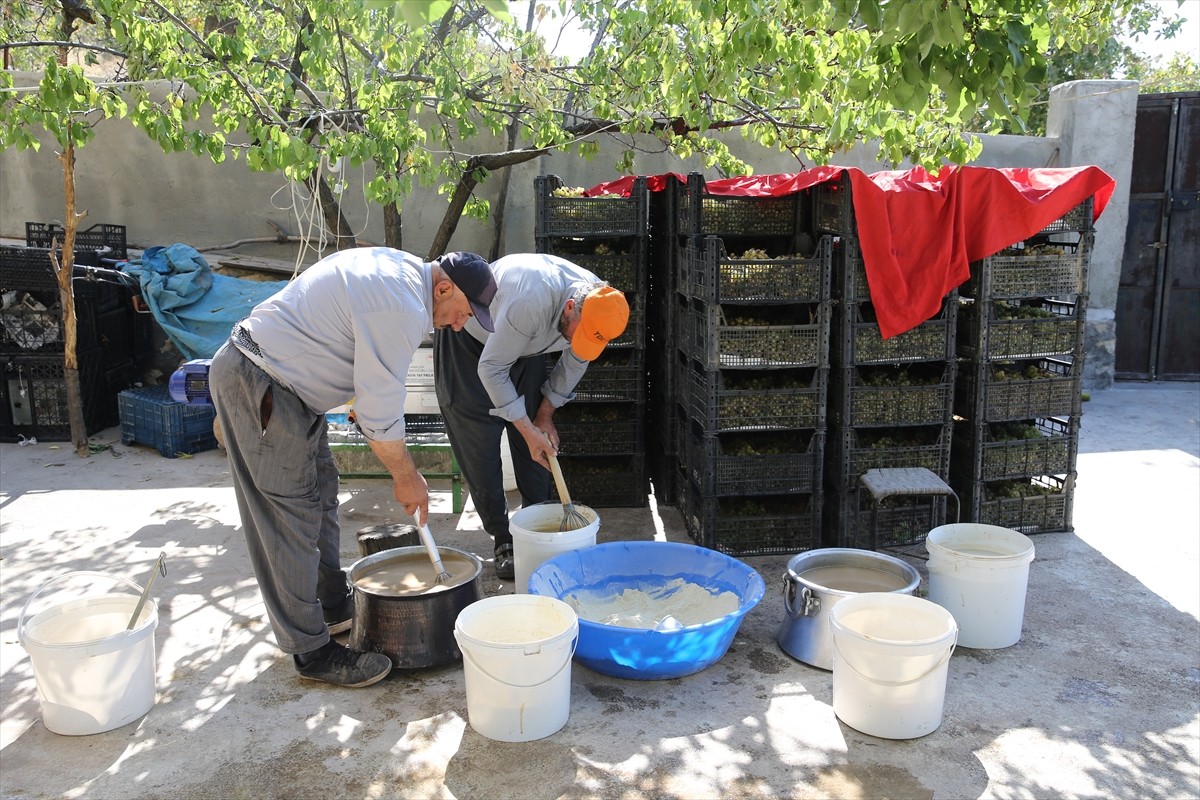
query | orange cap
(604,317)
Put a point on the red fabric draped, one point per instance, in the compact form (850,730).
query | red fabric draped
(918,231)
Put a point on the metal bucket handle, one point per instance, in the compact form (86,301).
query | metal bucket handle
(61,578)
(921,677)
(574,643)
(812,602)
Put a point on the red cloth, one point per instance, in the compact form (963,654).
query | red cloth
(919,232)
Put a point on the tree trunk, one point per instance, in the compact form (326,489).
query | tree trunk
(65,271)
(393,226)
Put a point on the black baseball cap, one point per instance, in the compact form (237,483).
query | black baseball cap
(472,274)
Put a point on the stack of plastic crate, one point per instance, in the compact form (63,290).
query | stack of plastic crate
(1019,387)
(752,304)
(891,400)
(603,450)
(33,398)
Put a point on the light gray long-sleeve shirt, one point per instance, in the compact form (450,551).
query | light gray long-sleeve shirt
(532,289)
(347,328)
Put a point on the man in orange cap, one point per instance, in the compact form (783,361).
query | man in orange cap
(487,382)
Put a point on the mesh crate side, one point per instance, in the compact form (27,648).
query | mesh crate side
(927,447)
(698,213)
(150,416)
(863,343)
(712,275)
(1046,512)
(713,338)
(35,397)
(591,216)
(895,404)
(1035,275)
(902,520)
(621,262)
(718,471)
(763,526)
(716,400)
(1060,331)
(607,481)
(833,207)
(98,237)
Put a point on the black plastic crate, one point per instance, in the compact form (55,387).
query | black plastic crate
(849,271)
(635,332)
(754,463)
(861,342)
(618,375)
(607,481)
(33,397)
(833,207)
(1077,220)
(1008,450)
(1012,329)
(600,429)
(1001,392)
(1044,504)
(901,521)
(711,274)
(97,237)
(1043,270)
(29,269)
(909,394)
(699,213)
(747,526)
(590,216)
(857,451)
(32,323)
(731,400)
(622,262)
(150,416)
(770,337)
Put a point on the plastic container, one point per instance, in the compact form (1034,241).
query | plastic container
(890,660)
(642,653)
(517,665)
(536,537)
(980,573)
(816,581)
(93,675)
(151,417)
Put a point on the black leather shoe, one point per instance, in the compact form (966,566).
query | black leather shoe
(338,664)
(506,563)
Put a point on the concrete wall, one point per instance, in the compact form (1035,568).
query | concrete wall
(123,177)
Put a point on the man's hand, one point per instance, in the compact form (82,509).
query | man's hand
(409,487)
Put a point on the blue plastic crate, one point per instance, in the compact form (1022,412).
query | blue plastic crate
(151,417)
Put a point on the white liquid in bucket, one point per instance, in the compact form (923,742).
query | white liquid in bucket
(891,656)
(537,538)
(980,573)
(517,653)
(92,674)
(676,604)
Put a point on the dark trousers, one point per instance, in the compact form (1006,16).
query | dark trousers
(475,434)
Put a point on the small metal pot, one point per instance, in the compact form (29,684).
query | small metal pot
(805,633)
(413,630)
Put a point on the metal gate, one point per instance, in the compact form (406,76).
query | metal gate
(1158,298)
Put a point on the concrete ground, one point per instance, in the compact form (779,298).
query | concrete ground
(1100,698)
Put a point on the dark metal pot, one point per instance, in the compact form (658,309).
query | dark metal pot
(805,633)
(413,630)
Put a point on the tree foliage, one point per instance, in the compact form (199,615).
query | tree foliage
(414,88)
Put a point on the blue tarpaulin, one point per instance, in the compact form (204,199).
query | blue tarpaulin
(195,307)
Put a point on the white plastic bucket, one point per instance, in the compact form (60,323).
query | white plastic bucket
(890,659)
(517,651)
(92,674)
(536,537)
(979,573)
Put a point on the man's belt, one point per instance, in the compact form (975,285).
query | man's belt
(243,341)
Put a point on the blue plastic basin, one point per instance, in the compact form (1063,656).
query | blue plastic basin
(639,653)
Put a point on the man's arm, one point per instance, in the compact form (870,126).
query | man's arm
(409,486)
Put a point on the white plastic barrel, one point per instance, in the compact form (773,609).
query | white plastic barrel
(93,675)
(890,661)
(537,538)
(980,573)
(517,651)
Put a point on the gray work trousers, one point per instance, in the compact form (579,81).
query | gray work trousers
(286,484)
(475,433)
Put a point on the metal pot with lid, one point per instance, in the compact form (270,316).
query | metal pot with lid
(401,611)
(816,580)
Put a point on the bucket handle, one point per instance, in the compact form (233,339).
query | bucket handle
(574,643)
(811,602)
(60,579)
(921,677)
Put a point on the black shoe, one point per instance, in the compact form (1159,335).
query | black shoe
(506,563)
(339,619)
(338,664)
